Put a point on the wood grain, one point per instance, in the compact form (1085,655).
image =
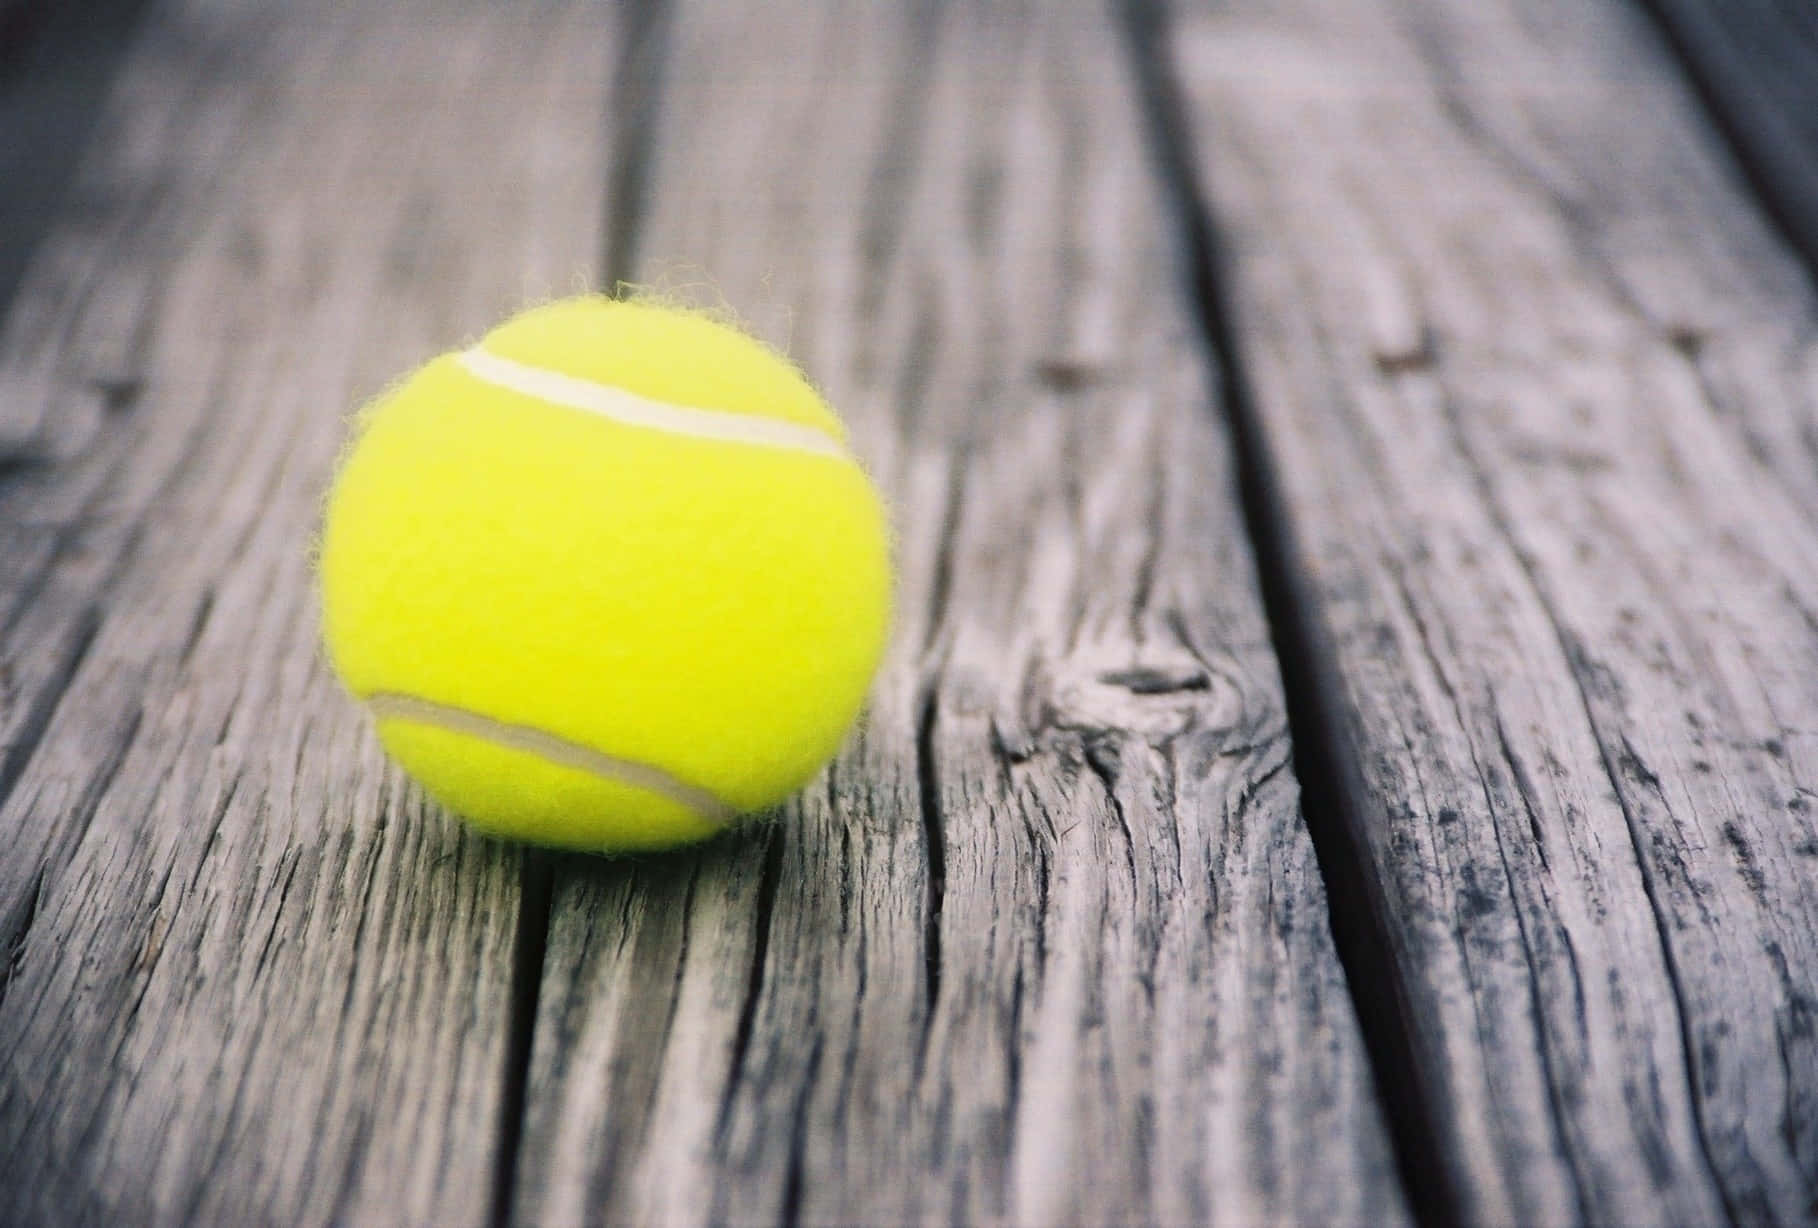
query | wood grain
(1048,943)
(1535,381)
(250,976)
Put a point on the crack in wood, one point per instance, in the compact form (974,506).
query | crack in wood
(793,1178)
(536,875)
(762,923)
(1322,760)
(1616,767)
(19,932)
(43,706)
(1536,982)
(928,787)
(636,105)
(1613,766)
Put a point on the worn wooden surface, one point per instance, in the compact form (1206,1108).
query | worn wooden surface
(1468,303)
(1048,943)
(1536,378)
(250,977)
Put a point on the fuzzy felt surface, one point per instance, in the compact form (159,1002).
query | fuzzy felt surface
(523,796)
(664,353)
(711,608)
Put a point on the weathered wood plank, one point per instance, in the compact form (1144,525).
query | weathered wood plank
(56,62)
(249,977)
(1757,61)
(1536,382)
(1048,943)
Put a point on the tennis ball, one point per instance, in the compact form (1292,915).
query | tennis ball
(608,579)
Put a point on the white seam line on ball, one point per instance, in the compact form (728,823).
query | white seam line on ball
(633,410)
(557,750)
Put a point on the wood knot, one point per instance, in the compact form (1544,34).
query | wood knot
(118,393)
(1402,361)
(1068,374)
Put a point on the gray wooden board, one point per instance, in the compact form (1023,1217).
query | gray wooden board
(1757,61)
(1048,942)
(1538,384)
(249,976)
(56,61)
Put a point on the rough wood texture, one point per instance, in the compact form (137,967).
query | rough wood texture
(1536,393)
(1757,61)
(1048,943)
(248,977)
(1536,380)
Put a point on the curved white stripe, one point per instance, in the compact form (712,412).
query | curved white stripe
(392,705)
(634,410)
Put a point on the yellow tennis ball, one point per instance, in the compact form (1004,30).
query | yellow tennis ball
(608,579)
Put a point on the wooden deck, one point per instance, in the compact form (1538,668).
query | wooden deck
(1349,752)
